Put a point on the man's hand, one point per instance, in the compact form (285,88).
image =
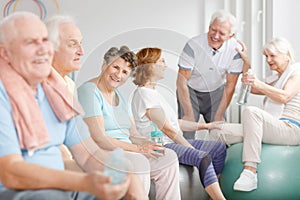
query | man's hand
(99,185)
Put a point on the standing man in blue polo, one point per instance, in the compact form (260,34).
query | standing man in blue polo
(209,67)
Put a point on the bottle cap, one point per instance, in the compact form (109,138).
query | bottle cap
(250,71)
(156,134)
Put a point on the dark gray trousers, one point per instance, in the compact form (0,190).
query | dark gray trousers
(205,103)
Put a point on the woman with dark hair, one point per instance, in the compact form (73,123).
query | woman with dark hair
(112,126)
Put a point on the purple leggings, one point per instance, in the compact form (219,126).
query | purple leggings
(208,157)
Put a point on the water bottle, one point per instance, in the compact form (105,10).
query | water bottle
(157,136)
(243,93)
(116,166)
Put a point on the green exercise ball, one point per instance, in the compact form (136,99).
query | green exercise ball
(278,173)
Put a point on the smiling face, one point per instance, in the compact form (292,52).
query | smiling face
(67,56)
(218,33)
(277,61)
(28,49)
(116,73)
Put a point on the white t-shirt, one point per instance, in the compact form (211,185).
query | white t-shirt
(209,67)
(145,98)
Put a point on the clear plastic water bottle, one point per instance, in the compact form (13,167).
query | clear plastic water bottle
(116,166)
(244,92)
(157,136)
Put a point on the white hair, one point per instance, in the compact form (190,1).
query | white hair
(225,16)
(281,45)
(53,24)
(8,26)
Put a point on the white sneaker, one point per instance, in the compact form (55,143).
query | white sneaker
(246,182)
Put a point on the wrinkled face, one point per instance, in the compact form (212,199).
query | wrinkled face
(276,61)
(158,69)
(29,50)
(67,56)
(218,33)
(117,72)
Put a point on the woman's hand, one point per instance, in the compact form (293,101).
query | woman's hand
(250,79)
(151,150)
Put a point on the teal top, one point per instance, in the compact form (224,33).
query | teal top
(116,118)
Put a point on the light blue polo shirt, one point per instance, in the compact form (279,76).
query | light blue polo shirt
(69,133)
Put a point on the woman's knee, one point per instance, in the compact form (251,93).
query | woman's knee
(138,163)
(250,112)
(222,148)
(169,161)
(171,155)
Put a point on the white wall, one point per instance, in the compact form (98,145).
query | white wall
(137,23)
(285,22)
(167,24)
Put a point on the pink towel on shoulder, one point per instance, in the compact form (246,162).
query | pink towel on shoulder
(26,113)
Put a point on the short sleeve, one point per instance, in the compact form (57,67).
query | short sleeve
(150,99)
(77,131)
(90,99)
(187,57)
(236,66)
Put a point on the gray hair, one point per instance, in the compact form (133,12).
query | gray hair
(8,25)
(281,45)
(53,24)
(124,52)
(225,16)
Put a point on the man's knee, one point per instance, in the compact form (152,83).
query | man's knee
(35,195)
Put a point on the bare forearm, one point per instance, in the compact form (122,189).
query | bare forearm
(226,98)
(124,145)
(279,95)
(25,176)
(255,91)
(176,137)
(179,139)
(221,109)
(97,131)
(106,144)
(88,155)
(184,97)
(191,126)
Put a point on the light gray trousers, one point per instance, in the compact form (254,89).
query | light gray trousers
(257,127)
